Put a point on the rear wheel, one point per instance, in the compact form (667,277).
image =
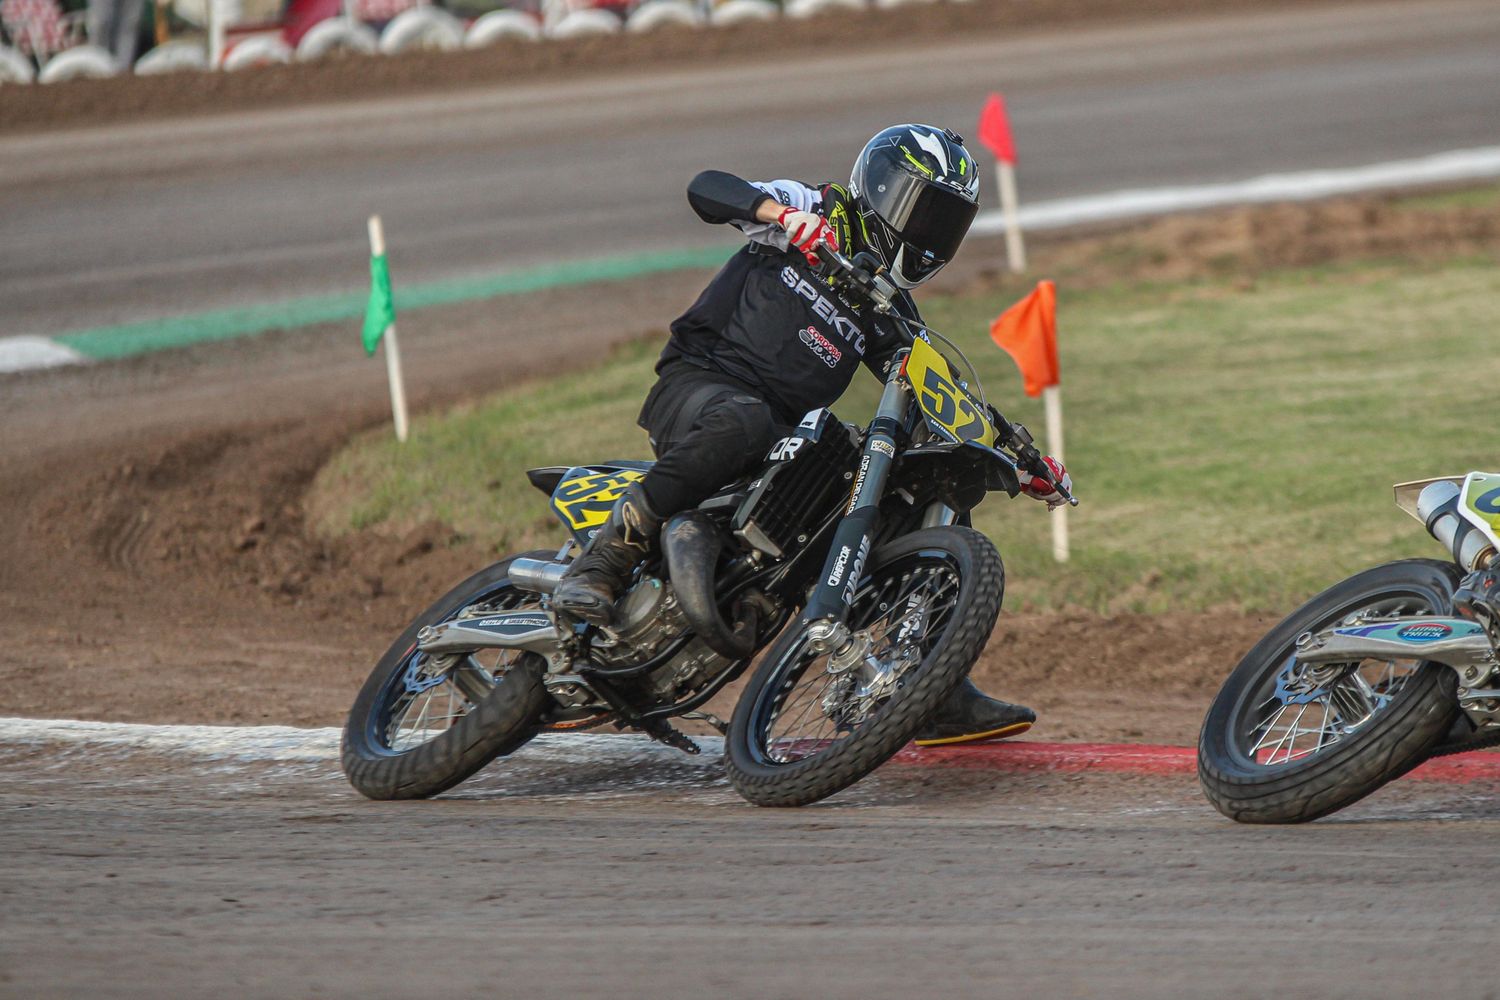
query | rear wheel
(809,724)
(1286,742)
(421,724)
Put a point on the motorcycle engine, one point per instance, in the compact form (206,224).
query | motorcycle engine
(647,618)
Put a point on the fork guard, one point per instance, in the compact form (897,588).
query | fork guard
(1456,642)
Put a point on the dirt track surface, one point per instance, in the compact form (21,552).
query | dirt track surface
(641,875)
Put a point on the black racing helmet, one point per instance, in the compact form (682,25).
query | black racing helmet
(917,190)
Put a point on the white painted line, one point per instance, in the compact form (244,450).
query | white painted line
(287,744)
(1458,165)
(19,354)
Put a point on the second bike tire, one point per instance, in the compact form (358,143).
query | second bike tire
(1395,740)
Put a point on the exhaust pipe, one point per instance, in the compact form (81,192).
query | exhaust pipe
(536,575)
(691,543)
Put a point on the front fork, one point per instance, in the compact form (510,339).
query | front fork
(828,608)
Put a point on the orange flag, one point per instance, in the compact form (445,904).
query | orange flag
(1027,331)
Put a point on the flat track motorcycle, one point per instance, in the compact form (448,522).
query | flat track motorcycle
(1369,678)
(846,555)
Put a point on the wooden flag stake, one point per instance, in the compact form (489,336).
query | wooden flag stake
(1052,400)
(994,132)
(1015,247)
(388,342)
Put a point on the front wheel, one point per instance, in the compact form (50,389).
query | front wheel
(809,725)
(1286,742)
(421,724)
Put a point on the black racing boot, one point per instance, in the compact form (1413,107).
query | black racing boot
(593,583)
(969,716)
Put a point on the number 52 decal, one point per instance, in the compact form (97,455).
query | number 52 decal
(949,408)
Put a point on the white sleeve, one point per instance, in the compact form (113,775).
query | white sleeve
(789,193)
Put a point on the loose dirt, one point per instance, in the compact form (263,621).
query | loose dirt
(158,565)
(129,98)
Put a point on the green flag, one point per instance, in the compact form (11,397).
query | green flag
(381,311)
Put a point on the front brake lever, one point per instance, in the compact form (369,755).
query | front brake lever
(1031,461)
(864,274)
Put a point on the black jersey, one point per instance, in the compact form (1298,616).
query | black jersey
(767,319)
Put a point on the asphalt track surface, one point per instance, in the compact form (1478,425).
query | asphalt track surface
(134,222)
(134,872)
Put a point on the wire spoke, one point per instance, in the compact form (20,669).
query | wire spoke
(898,618)
(1333,700)
(426,698)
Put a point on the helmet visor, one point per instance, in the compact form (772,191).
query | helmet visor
(929,218)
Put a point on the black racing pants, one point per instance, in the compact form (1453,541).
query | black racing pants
(707,430)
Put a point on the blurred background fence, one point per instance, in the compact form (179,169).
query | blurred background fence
(46,41)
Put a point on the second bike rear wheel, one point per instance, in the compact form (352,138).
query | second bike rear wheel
(809,725)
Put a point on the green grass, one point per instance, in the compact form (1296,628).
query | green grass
(1231,447)
(1477,197)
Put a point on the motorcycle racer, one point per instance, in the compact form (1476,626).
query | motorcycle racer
(768,340)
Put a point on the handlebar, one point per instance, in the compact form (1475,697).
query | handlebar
(866,275)
(863,273)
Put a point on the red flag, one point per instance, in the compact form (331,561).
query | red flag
(994,130)
(1027,331)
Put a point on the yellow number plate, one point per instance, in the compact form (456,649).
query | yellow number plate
(584,502)
(949,408)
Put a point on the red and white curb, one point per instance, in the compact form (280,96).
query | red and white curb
(1146,758)
(289,745)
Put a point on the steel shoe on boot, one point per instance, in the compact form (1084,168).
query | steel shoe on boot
(593,583)
(969,716)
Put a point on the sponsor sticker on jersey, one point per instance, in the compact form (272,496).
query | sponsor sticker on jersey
(820,346)
(825,310)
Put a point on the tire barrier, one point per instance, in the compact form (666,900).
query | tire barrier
(584,23)
(499,24)
(811,8)
(422,28)
(741,11)
(337,35)
(655,14)
(257,50)
(14,67)
(175,56)
(414,28)
(79,62)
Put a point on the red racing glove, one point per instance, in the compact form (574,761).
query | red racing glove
(1038,487)
(807,231)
